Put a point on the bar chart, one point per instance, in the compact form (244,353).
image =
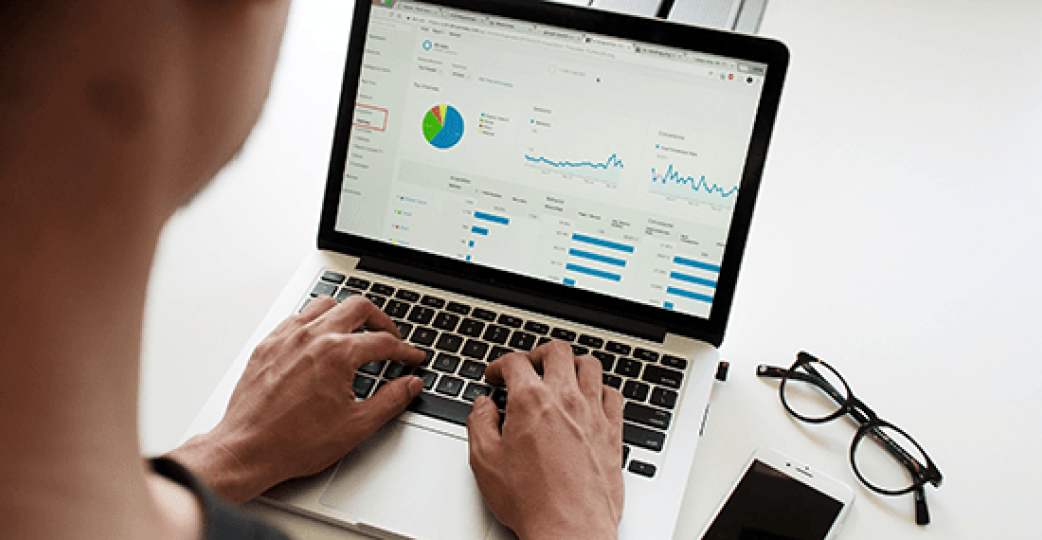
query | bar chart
(596,257)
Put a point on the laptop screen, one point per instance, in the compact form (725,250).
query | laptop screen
(579,159)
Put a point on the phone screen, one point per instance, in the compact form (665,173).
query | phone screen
(769,505)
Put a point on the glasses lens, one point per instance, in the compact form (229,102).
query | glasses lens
(885,459)
(813,391)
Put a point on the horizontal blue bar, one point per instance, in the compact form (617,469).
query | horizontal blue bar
(602,243)
(667,305)
(596,257)
(592,272)
(692,279)
(696,264)
(689,294)
(569,281)
(493,218)
(470,244)
(479,230)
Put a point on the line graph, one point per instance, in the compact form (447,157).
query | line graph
(608,170)
(674,184)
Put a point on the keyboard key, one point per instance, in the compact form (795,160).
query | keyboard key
(537,328)
(663,398)
(362,386)
(428,378)
(592,342)
(642,414)
(372,368)
(641,468)
(433,301)
(643,437)
(475,390)
(496,334)
(333,277)
(674,361)
(345,293)
(607,360)
(357,283)
(499,397)
(441,408)
(403,328)
(380,288)
(471,328)
(305,304)
(408,296)
(396,309)
(613,381)
(637,391)
(644,354)
(450,386)
(449,342)
(475,349)
(663,376)
(618,348)
(562,334)
(579,351)
(472,370)
(628,367)
(625,454)
(522,340)
(420,314)
(484,314)
(396,370)
(446,321)
(498,351)
(428,356)
(510,320)
(377,300)
(446,362)
(424,336)
(458,308)
(543,341)
(323,289)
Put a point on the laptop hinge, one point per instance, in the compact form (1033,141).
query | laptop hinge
(522,300)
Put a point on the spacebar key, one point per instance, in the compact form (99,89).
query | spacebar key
(439,407)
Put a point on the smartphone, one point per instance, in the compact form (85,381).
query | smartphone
(780,498)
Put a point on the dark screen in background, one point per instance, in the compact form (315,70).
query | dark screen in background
(768,505)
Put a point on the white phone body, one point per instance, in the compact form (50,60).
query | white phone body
(778,496)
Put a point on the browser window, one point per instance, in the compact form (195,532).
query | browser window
(579,159)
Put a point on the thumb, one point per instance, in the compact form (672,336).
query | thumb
(389,402)
(483,426)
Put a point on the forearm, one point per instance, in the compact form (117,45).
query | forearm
(225,473)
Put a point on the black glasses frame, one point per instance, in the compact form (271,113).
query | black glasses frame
(869,426)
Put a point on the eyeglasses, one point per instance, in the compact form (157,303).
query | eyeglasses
(885,458)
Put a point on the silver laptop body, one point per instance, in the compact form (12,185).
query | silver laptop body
(543,171)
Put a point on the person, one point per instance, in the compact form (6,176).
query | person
(114,114)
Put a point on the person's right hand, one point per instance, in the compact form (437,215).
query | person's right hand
(555,469)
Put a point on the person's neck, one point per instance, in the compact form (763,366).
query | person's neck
(73,274)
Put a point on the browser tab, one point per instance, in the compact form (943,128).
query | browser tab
(560,34)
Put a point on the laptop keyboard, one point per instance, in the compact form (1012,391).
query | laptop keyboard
(459,341)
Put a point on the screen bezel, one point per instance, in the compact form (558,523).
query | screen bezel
(653,31)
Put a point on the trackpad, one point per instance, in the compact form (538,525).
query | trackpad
(410,481)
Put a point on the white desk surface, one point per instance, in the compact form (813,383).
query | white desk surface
(897,235)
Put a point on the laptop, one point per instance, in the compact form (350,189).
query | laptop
(508,172)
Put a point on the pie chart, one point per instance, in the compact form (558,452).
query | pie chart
(443,126)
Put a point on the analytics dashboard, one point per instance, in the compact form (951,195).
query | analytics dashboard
(580,159)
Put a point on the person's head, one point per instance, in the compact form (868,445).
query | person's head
(164,90)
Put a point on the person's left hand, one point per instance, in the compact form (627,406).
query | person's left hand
(293,412)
